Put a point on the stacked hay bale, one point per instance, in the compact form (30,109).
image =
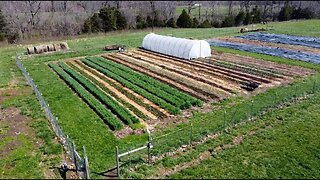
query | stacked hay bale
(47,48)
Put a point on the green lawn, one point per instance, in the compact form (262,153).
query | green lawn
(289,149)
(79,121)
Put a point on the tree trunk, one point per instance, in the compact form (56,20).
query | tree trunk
(230,8)
(52,6)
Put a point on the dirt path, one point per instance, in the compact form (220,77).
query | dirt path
(261,43)
(146,101)
(118,93)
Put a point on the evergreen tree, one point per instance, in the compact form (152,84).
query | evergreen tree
(108,19)
(205,24)
(239,18)
(285,12)
(171,23)
(96,23)
(121,22)
(86,26)
(228,21)
(195,23)
(256,15)
(149,21)
(140,22)
(184,20)
(248,19)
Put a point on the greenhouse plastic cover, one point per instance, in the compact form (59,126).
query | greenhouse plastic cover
(177,47)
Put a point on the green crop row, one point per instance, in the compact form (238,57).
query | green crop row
(137,81)
(158,101)
(106,115)
(129,95)
(161,86)
(125,103)
(111,104)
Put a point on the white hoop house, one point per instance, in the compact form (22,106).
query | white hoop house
(177,47)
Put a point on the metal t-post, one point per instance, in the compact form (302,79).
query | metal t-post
(86,163)
(117,161)
(251,109)
(314,86)
(190,133)
(149,145)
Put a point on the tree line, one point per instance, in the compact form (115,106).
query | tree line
(28,19)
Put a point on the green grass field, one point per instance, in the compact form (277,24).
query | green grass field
(86,128)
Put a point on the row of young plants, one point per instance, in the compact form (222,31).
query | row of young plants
(164,87)
(121,112)
(137,81)
(107,90)
(155,99)
(126,93)
(104,113)
(250,70)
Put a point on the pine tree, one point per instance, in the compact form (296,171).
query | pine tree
(239,18)
(248,19)
(257,16)
(108,19)
(184,20)
(140,22)
(171,23)
(121,21)
(96,23)
(195,23)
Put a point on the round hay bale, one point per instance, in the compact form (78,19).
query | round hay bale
(38,49)
(64,45)
(30,50)
(57,47)
(44,48)
(50,47)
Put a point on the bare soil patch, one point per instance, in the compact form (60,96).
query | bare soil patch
(259,63)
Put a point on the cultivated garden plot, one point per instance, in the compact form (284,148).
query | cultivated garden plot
(122,97)
(209,79)
(141,87)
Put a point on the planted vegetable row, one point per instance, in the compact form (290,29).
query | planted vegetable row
(158,101)
(129,95)
(187,99)
(157,92)
(113,105)
(106,115)
(126,104)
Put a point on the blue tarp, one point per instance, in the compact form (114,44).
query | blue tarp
(284,39)
(296,55)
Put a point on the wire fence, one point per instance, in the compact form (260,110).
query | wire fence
(218,120)
(81,164)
